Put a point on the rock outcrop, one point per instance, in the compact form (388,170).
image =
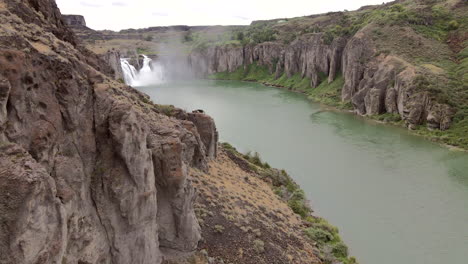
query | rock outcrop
(112,58)
(75,20)
(216,59)
(90,171)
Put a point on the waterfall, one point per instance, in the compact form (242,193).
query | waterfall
(129,71)
(146,65)
(151,73)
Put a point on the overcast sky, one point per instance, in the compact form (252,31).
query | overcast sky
(122,14)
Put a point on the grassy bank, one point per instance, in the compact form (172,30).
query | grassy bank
(326,93)
(320,233)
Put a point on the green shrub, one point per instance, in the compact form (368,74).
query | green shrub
(298,195)
(453,25)
(318,235)
(299,207)
(340,250)
(261,33)
(240,36)
(328,37)
(228,146)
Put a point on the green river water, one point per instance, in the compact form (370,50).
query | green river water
(395,197)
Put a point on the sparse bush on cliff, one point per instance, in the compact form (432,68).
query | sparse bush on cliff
(219,229)
(256,159)
(328,241)
(453,25)
(259,246)
(167,110)
(318,235)
(340,250)
(299,207)
(228,146)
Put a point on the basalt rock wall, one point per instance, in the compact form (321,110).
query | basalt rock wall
(373,84)
(90,171)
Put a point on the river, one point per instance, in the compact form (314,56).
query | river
(395,197)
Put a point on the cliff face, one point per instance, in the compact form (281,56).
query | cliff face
(374,84)
(90,172)
(112,58)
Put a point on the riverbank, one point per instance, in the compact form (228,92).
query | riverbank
(329,94)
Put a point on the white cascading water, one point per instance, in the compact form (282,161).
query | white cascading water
(151,72)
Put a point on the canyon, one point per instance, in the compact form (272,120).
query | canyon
(92,171)
(397,61)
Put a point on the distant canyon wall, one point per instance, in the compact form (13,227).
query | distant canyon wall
(373,84)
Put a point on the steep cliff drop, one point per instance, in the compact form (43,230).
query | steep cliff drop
(90,170)
(152,72)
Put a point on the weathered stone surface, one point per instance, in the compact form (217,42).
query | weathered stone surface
(89,172)
(112,58)
(440,117)
(33,220)
(4,95)
(207,130)
(356,54)
(314,59)
(267,54)
(374,101)
(391,101)
(216,59)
